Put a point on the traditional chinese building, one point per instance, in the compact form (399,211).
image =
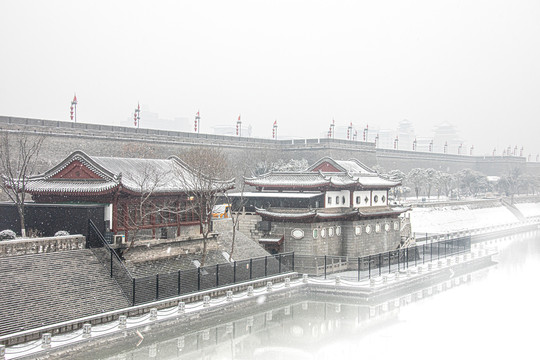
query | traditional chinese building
(150,197)
(345,210)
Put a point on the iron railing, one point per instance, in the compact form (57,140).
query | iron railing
(96,242)
(362,268)
(140,290)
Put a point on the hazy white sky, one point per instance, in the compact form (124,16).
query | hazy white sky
(472,63)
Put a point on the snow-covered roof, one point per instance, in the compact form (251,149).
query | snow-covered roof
(352,166)
(288,180)
(81,173)
(324,214)
(324,174)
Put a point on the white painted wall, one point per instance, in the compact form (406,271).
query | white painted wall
(362,195)
(342,195)
(108,214)
(379,194)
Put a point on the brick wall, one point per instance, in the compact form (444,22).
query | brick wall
(348,243)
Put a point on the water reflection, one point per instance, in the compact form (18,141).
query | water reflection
(328,326)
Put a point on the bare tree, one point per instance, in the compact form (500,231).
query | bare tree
(19,155)
(205,179)
(144,207)
(417,177)
(431,180)
(510,183)
(235,216)
(446,182)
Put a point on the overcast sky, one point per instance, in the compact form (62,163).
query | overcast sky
(474,64)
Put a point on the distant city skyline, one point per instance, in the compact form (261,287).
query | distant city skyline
(472,64)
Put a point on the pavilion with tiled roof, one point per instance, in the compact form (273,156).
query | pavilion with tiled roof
(119,183)
(345,205)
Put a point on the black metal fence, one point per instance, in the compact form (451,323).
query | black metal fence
(110,259)
(362,268)
(181,282)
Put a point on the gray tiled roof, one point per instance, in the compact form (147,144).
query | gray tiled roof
(325,214)
(309,179)
(289,179)
(138,175)
(72,186)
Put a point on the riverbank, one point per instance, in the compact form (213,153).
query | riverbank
(468,216)
(209,309)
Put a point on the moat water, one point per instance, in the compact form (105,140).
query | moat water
(490,313)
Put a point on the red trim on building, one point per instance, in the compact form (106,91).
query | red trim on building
(76,170)
(326,167)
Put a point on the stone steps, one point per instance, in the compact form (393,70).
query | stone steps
(42,289)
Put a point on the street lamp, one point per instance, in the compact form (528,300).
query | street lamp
(73,108)
(137,116)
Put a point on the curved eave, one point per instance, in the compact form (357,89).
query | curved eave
(391,212)
(71,192)
(338,216)
(287,186)
(285,217)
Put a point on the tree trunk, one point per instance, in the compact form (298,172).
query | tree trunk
(205,243)
(232,245)
(20,210)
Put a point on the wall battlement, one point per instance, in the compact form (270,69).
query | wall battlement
(101,140)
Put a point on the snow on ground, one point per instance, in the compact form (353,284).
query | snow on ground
(440,220)
(529,209)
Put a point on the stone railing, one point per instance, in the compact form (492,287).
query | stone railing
(41,245)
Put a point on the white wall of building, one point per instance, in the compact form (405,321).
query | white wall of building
(361,196)
(338,199)
(109,214)
(379,198)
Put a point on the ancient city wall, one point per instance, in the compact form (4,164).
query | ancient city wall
(101,140)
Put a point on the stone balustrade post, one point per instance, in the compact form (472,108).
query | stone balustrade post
(46,341)
(87,330)
(181,307)
(153,314)
(122,321)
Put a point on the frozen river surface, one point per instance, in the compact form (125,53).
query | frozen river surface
(494,315)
